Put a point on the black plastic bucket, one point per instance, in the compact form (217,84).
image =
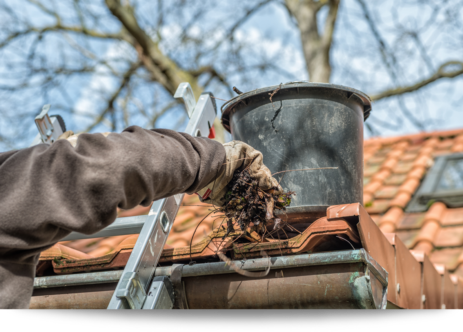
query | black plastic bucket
(306,125)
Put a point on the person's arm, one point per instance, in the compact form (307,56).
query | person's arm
(47,191)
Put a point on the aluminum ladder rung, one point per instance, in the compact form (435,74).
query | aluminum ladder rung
(122,226)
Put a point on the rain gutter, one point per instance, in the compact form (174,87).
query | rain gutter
(340,279)
(196,270)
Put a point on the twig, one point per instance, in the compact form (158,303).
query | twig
(219,98)
(192,237)
(237,90)
(274,92)
(345,240)
(245,273)
(305,169)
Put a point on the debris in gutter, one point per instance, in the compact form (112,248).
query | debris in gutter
(250,207)
(245,273)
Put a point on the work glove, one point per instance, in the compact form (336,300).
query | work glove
(72,138)
(239,155)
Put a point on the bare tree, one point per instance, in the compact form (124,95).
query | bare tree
(316,44)
(317,20)
(130,56)
(108,64)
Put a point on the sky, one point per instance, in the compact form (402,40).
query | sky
(272,33)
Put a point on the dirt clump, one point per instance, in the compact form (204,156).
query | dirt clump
(250,207)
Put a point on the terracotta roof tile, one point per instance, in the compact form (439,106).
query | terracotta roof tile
(449,237)
(409,156)
(372,187)
(368,199)
(431,142)
(84,245)
(409,186)
(395,154)
(381,175)
(403,167)
(392,216)
(387,192)
(416,148)
(375,160)
(401,200)
(452,217)
(459,271)
(387,228)
(395,179)
(370,170)
(411,221)
(408,237)
(394,168)
(435,212)
(426,151)
(62,251)
(424,246)
(376,218)
(136,211)
(427,233)
(402,145)
(451,258)
(445,144)
(107,245)
(423,161)
(417,173)
(459,138)
(458,147)
(384,151)
(378,206)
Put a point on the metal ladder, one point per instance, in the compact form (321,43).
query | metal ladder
(138,288)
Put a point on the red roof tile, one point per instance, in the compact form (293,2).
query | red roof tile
(401,163)
(394,168)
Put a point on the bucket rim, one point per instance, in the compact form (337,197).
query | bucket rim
(228,106)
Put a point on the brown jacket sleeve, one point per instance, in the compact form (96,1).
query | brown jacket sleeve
(47,191)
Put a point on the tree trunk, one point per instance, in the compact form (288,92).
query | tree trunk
(315,45)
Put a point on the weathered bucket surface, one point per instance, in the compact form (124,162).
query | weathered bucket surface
(306,125)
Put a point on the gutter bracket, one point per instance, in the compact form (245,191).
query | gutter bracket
(179,290)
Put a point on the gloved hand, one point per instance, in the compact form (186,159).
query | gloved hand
(239,155)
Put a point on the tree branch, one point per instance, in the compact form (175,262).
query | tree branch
(243,19)
(163,69)
(110,108)
(382,44)
(440,73)
(327,37)
(163,111)
(59,27)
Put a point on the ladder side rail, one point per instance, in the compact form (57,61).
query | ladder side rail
(139,271)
